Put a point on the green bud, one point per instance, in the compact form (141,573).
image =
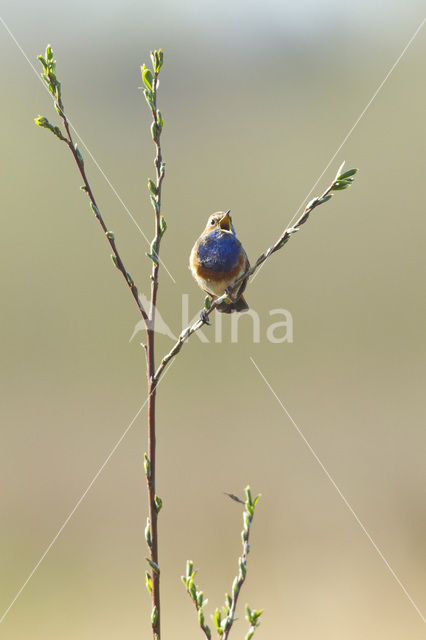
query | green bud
(154,566)
(94,209)
(207,303)
(235,586)
(109,234)
(129,279)
(149,98)
(154,132)
(148,533)
(189,568)
(201,617)
(193,590)
(248,496)
(152,187)
(154,203)
(217,618)
(158,503)
(41,121)
(78,154)
(160,120)
(148,582)
(115,261)
(157,60)
(49,53)
(147,465)
(154,616)
(207,631)
(163,225)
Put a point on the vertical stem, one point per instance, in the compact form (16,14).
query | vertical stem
(152,380)
(152,510)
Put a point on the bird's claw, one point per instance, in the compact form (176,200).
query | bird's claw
(230,293)
(204,317)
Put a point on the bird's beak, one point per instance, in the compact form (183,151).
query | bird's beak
(225,222)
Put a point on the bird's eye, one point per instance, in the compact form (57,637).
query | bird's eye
(212,221)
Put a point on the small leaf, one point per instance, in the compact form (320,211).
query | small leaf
(153,258)
(325,198)
(147,77)
(163,225)
(347,174)
(115,261)
(148,582)
(217,617)
(340,187)
(339,170)
(43,61)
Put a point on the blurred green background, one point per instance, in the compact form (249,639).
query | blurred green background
(256,99)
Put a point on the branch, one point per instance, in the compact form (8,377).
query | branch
(224,624)
(340,182)
(54,86)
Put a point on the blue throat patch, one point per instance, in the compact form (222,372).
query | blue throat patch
(219,250)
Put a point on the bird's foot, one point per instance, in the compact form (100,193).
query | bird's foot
(231,294)
(204,317)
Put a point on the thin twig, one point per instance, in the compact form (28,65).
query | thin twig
(49,75)
(55,89)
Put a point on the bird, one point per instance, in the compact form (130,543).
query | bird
(218,259)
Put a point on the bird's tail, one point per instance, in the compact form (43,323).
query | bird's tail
(239,305)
